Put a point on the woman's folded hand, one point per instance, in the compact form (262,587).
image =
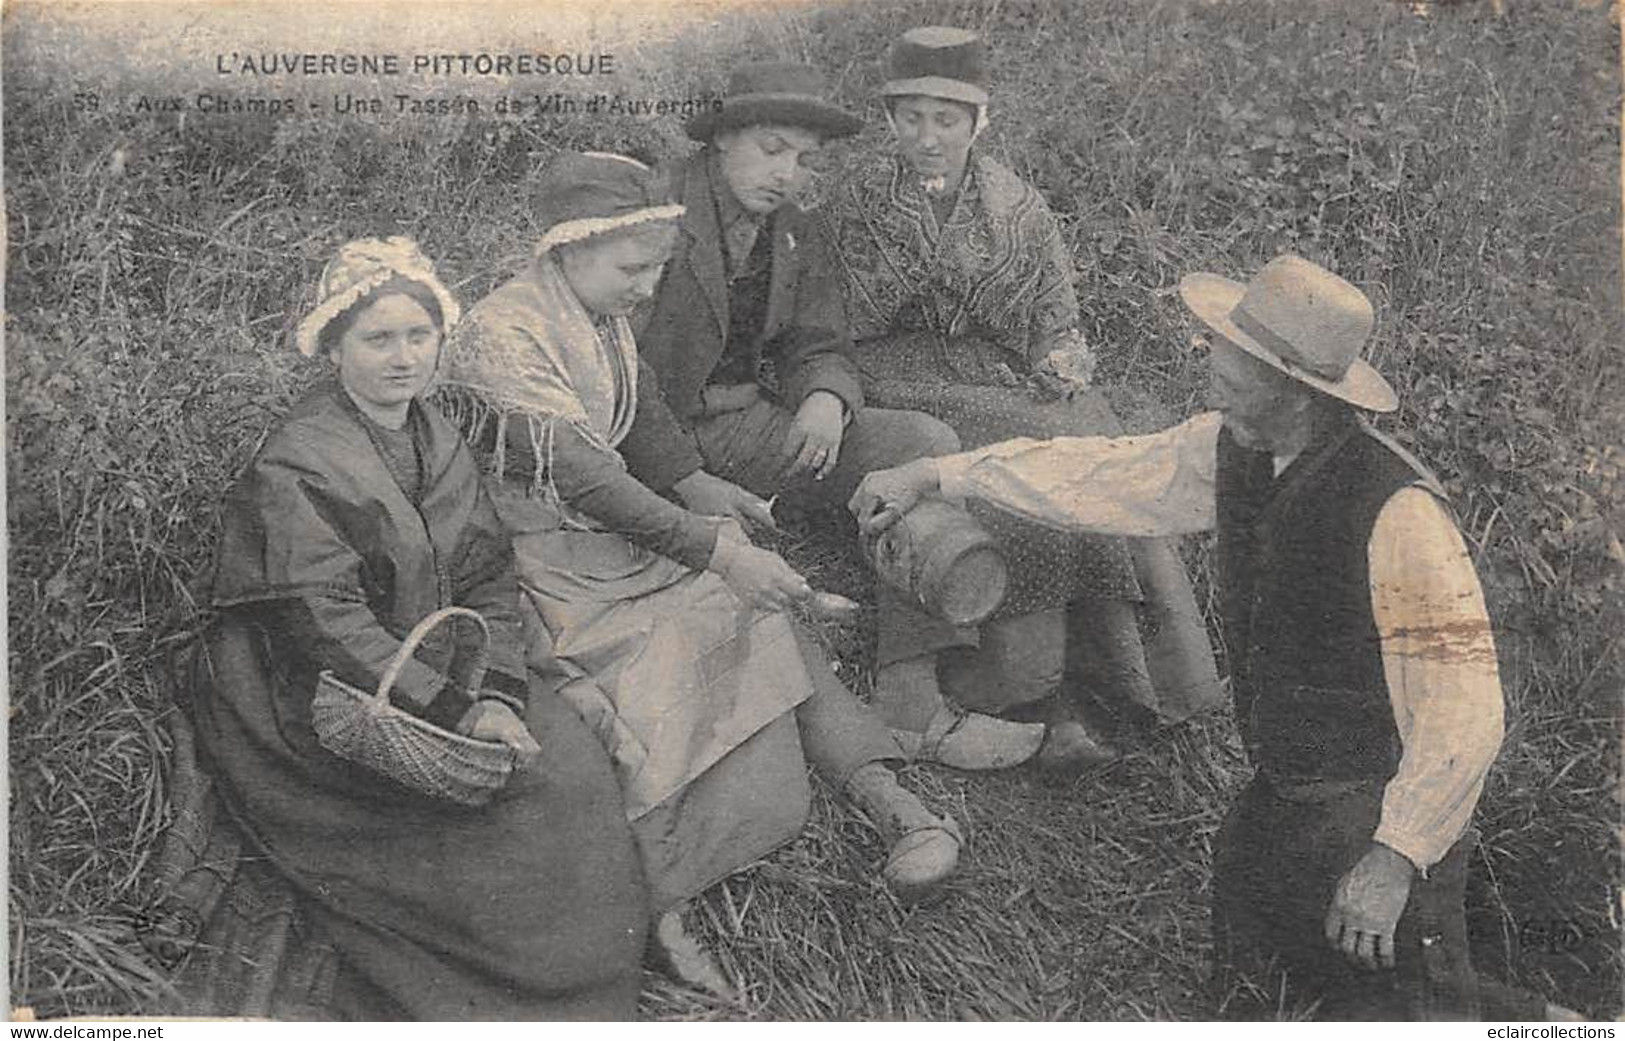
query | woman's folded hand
(757,576)
(492,720)
(1067,369)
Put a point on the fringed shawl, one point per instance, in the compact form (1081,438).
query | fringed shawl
(530,351)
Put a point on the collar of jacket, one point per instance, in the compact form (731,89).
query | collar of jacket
(702,227)
(694,182)
(729,209)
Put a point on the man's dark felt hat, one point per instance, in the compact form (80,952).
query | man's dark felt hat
(775,93)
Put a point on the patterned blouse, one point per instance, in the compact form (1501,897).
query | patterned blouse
(997,268)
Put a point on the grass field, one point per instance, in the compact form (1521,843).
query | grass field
(1460,167)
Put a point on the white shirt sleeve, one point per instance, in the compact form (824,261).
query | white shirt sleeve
(1438,656)
(1155,484)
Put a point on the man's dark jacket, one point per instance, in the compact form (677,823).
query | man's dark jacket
(682,332)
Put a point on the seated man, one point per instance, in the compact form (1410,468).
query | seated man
(1362,662)
(745,335)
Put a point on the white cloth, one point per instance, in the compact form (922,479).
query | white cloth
(532,350)
(1438,652)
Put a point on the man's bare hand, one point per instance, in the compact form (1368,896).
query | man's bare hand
(814,441)
(1366,907)
(885,495)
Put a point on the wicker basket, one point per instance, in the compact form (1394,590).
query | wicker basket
(366,729)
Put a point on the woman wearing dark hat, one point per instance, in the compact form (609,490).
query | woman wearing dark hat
(360,515)
(960,294)
(747,336)
(668,625)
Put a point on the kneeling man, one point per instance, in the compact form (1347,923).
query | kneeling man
(1362,662)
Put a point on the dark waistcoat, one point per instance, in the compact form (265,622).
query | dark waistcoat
(1305,656)
(742,359)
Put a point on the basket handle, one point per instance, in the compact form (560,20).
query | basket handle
(409,646)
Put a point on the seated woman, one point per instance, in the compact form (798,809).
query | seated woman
(959,290)
(669,625)
(362,513)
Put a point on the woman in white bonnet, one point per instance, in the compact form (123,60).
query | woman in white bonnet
(362,513)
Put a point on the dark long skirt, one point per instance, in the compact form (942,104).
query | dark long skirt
(531,907)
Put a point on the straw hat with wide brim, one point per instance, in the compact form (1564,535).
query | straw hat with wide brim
(775,93)
(1300,319)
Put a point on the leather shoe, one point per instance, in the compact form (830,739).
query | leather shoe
(922,859)
(923,848)
(679,954)
(1069,748)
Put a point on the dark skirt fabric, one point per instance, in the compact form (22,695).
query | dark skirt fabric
(222,917)
(531,907)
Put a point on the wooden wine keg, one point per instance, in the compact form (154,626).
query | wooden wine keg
(942,558)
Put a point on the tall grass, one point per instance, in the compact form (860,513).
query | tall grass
(1461,168)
